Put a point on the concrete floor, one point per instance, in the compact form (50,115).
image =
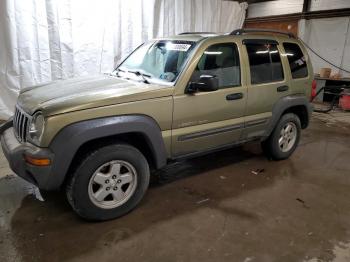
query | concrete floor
(212,208)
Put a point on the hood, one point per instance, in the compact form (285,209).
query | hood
(86,92)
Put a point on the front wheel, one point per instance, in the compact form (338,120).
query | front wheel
(284,139)
(109,182)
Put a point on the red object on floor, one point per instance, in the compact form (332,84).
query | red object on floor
(313,89)
(344,101)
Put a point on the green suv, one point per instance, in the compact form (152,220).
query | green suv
(98,137)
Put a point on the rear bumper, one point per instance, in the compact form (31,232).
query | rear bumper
(15,151)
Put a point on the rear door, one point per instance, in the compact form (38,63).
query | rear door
(267,83)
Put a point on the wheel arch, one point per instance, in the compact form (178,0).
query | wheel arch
(301,112)
(77,139)
(296,104)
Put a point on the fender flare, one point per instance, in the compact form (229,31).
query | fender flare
(284,104)
(68,141)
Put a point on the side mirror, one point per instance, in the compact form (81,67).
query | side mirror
(206,83)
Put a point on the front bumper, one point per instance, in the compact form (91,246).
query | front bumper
(15,151)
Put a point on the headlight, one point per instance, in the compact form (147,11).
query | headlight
(36,128)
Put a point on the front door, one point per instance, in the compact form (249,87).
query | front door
(207,120)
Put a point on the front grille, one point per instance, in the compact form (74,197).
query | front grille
(21,124)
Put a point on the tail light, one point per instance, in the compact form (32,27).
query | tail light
(313,90)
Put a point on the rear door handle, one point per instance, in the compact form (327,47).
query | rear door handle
(234,96)
(282,88)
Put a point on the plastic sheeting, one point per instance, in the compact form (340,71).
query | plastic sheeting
(330,38)
(46,40)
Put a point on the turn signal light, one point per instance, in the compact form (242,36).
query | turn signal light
(37,161)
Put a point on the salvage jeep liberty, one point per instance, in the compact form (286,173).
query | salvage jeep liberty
(98,137)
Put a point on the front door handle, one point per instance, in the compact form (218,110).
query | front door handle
(282,88)
(234,96)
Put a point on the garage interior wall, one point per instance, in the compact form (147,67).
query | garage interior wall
(46,40)
(287,26)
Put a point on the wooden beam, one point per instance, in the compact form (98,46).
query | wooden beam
(306,6)
(274,18)
(307,15)
(328,13)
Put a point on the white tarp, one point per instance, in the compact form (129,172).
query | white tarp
(45,40)
(330,38)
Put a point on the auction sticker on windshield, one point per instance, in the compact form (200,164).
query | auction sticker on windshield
(178,47)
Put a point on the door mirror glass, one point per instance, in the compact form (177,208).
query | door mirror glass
(205,83)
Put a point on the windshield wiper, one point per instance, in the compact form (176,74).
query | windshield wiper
(143,76)
(119,70)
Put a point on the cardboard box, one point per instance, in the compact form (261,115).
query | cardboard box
(325,72)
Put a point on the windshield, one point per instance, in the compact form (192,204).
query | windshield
(156,61)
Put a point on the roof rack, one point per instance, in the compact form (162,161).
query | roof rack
(193,33)
(260,30)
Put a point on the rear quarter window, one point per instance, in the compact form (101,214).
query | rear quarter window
(296,59)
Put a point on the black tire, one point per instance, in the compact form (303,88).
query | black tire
(77,188)
(271,146)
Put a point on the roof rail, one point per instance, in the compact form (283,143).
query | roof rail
(260,30)
(192,33)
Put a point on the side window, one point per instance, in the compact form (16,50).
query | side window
(222,61)
(265,63)
(296,59)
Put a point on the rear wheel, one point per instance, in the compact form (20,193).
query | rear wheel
(284,138)
(109,183)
